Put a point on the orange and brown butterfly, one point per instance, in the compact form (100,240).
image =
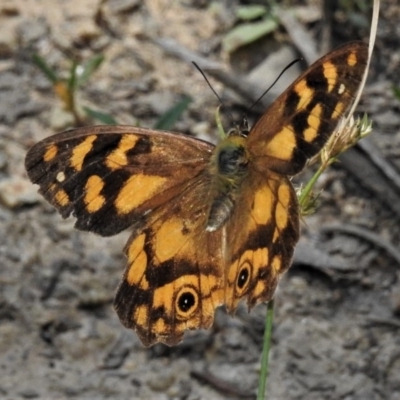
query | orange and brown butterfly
(212,225)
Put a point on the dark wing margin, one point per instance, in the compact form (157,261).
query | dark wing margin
(298,124)
(108,177)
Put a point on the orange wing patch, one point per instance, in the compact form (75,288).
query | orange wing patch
(50,153)
(313,121)
(352,59)
(305,94)
(331,74)
(281,145)
(61,197)
(93,199)
(137,190)
(138,262)
(80,151)
(119,157)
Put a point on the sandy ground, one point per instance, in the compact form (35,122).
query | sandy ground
(336,332)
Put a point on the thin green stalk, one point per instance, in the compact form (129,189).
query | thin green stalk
(265,352)
(305,193)
(304,196)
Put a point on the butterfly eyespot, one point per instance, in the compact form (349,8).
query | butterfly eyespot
(243,278)
(186,301)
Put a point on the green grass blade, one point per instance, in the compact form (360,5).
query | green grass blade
(247,33)
(396,92)
(91,66)
(251,11)
(102,117)
(45,68)
(72,80)
(169,118)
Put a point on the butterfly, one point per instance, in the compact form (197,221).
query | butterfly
(211,225)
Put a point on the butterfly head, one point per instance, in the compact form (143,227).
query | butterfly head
(242,129)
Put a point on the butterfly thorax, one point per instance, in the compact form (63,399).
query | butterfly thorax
(228,168)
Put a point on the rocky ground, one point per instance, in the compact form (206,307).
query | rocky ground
(336,329)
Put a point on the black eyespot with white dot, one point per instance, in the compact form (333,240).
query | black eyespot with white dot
(186,302)
(243,278)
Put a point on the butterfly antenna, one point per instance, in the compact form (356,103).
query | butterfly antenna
(276,80)
(216,94)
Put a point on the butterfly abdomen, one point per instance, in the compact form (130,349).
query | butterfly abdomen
(229,166)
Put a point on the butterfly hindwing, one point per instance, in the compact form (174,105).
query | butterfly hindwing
(261,237)
(175,277)
(109,176)
(296,126)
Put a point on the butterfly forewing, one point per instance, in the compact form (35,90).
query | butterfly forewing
(110,176)
(297,125)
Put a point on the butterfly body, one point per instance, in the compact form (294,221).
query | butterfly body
(228,168)
(211,225)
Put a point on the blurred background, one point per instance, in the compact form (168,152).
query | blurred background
(75,63)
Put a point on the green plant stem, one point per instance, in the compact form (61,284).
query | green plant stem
(265,352)
(305,193)
(303,198)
